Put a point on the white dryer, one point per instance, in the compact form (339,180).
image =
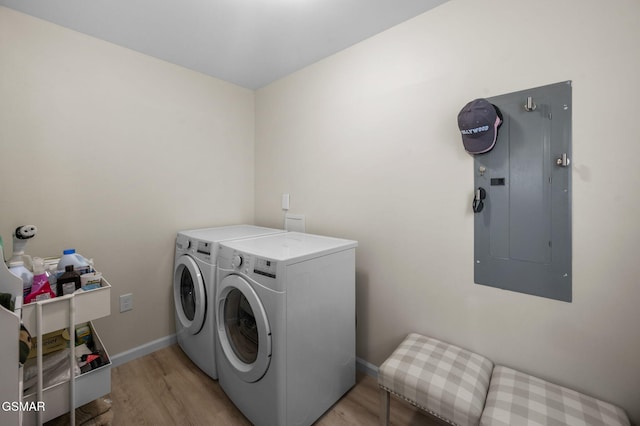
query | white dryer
(194,278)
(286,325)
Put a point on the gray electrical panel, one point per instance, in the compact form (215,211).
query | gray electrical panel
(523,232)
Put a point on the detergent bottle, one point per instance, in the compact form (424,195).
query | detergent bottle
(70,257)
(41,289)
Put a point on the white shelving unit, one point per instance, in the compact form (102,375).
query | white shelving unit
(10,370)
(41,318)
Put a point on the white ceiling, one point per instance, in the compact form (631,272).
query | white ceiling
(250,43)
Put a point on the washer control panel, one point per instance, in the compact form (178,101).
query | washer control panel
(248,264)
(196,248)
(183,243)
(236,261)
(265,267)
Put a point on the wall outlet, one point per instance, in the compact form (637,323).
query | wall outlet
(126,302)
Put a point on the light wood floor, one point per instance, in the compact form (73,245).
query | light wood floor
(166,388)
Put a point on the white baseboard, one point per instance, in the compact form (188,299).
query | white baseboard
(366,367)
(142,350)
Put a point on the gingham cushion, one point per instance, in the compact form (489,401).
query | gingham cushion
(444,380)
(517,399)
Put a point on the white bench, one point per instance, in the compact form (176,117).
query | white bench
(466,389)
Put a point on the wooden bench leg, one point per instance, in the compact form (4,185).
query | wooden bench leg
(384,407)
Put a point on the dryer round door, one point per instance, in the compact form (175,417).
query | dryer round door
(189,294)
(243,329)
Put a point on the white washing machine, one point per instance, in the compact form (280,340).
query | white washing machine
(286,325)
(194,279)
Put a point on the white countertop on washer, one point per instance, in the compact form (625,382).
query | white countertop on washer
(290,245)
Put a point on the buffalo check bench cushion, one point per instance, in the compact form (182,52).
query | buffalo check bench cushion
(515,399)
(444,380)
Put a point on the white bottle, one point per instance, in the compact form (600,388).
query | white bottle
(70,257)
(19,270)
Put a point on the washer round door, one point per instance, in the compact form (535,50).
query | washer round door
(243,329)
(189,294)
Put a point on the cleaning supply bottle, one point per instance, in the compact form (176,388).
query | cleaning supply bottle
(18,269)
(69,281)
(41,289)
(70,257)
(52,276)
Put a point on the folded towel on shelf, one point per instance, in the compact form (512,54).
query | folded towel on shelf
(55,368)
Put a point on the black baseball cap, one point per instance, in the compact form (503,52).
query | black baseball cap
(478,122)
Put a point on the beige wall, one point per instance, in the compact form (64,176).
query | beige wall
(366,143)
(111,152)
